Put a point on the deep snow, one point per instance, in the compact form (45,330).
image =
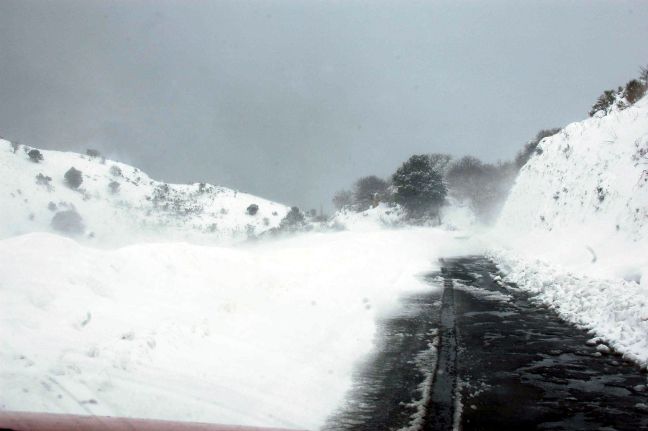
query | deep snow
(574,229)
(259,334)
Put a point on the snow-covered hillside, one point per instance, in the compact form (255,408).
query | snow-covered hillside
(574,230)
(120,204)
(588,175)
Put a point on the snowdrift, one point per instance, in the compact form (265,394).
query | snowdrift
(574,229)
(136,209)
(262,334)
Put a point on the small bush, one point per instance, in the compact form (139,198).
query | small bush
(604,102)
(73,178)
(69,222)
(342,199)
(14,147)
(113,186)
(252,209)
(531,147)
(115,171)
(51,206)
(35,156)
(634,90)
(43,180)
(93,153)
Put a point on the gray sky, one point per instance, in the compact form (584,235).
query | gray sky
(293,100)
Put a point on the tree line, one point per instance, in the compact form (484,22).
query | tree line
(424,183)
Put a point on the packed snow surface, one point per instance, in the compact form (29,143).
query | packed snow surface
(256,334)
(574,230)
(119,204)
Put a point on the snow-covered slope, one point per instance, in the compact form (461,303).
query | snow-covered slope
(136,209)
(574,230)
(587,176)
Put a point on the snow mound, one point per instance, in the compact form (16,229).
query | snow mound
(574,230)
(120,204)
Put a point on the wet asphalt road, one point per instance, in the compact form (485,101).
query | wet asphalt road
(477,354)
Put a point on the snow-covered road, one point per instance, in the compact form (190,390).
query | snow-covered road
(478,355)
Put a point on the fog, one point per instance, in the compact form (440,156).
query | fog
(295,100)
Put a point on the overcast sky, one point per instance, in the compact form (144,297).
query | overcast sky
(293,100)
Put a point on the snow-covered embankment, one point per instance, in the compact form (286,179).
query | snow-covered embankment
(574,230)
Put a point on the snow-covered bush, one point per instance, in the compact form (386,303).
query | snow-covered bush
(634,90)
(368,191)
(93,153)
(35,156)
(115,171)
(531,147)
(69,222)
(604,102)
(73,178)
(113,186)
(43,180)
(252,209)
(293,221)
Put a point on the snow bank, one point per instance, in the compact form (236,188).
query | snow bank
(140,209)
(262,334)
(574,230)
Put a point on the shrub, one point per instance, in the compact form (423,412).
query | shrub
(51,206)
(604,102)
(14,147)
(419,186)
(113,186)
(35,156)
(43,180)
(531,147)
(293,221)
(73,178)
(634,90)
(252,209)
(342,199)
(68,221)
(368,191)
(93,153)
(115,171)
